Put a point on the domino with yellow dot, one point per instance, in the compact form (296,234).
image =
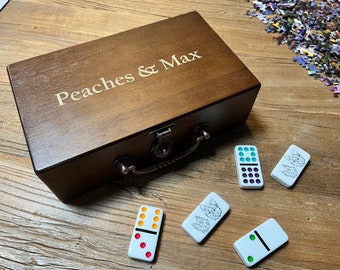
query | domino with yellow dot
(145,234)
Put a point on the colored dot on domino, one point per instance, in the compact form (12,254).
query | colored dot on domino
(260,242)
(143,243)
(248,167)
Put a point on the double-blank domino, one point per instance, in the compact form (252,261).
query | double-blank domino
(145,234)
(290,166)
(260,242)
(205,217)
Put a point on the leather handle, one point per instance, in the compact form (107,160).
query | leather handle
(123,163)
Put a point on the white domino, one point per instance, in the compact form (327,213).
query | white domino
(260,242)
(290,166)
(205,217)
(248,167)
(145,234)
(3,4)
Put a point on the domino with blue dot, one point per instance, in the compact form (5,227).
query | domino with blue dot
(248,167)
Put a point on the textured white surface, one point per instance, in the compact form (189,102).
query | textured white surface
(260,242)
(145,234)
(205,217)
(290,166)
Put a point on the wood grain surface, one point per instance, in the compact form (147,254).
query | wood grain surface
(37,231)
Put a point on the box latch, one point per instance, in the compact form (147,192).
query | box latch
(163,141)
(162,148)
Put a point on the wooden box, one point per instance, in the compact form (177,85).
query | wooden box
(131,102)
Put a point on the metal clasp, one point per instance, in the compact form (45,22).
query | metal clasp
(163,147)
(163,141)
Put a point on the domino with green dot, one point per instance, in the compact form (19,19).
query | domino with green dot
(260,242)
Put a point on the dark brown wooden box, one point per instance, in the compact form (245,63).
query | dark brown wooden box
(139,94)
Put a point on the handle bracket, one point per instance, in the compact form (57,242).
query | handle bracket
(124,164)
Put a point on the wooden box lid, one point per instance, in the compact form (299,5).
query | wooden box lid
(85,97)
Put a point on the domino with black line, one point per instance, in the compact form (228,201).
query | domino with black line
(145,234)
(260,242)
(248,167)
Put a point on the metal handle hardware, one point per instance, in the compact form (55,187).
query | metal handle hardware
(125,166)
(164,143)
